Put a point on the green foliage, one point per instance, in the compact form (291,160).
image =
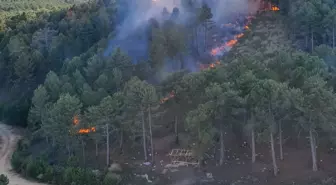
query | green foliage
(17,161)
(4,180)
(35,168)
(111,179)
(32,48)
(265,85)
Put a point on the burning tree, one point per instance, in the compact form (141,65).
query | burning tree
(60,119)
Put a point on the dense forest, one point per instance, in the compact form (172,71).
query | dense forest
(86,106)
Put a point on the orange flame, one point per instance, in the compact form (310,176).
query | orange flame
(83,130)
(75,120)
(202,67)
(209,66)
(275,8)
(216,50)
(232,42)
(87,130)
(229,43)
(170,96)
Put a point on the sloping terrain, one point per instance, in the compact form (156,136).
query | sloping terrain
(266,37)
(8,143)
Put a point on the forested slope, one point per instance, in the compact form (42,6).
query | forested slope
(31,48)
(29,5)
(270,88)
(30,8)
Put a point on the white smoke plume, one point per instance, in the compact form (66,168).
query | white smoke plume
(131,31)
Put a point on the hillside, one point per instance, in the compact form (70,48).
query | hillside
(30,5)
(174,96)
(11,8)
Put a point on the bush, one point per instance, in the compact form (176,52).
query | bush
(17,161)
(49,174)
(73,161)
(39,169)
(3,180)
(73,176)
(35,168)
(111,179)
(58,174)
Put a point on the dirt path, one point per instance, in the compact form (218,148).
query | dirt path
(8,144)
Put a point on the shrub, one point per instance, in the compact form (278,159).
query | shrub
(73,161)
(74,175)
(58,174)
(35,168)
(79,176)
(49,174)
(111,179)
(92,178)
(17,161)
(3,180)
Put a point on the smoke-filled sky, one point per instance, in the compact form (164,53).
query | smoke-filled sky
(134,16)
(142,10)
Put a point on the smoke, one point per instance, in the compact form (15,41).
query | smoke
(223,10)
(133,16)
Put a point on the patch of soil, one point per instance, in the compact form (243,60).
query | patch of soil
(295,168)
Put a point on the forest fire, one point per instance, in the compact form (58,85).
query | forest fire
(170,95)
(209,66)
(275,8)
(202,67)
(83,130)
(229,44)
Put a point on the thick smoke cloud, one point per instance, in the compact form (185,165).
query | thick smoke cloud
(133,15)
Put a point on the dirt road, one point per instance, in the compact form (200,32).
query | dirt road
(7,145)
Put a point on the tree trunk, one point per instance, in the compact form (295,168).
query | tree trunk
(121,139)
(68,146)
(150,132)
(176,130)
(253,145)
(333,43)
(199,146)
(53,141)
(181,61)
(280,142)
(96,143)
(275,167)
(83,151)
(222,149)
(144,134)
(205,37)
(306,39)
(107,146)
(312,41)
(197,40)
(313,149)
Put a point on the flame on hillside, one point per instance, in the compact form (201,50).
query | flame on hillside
(209,66)
(82,130)
(229,44)
(275,8)
(170,96)
(202,67)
